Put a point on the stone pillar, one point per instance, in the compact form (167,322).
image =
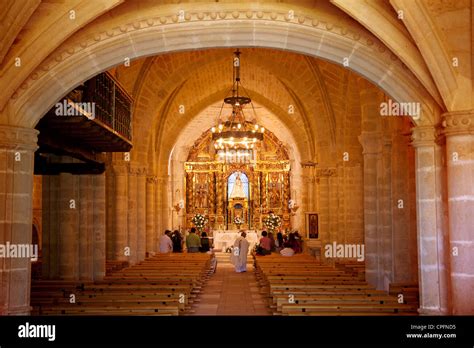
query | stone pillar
(459,131)
(372,148)
(85,227)
(50,191)
(109,211)
(322,176)
(333,208)
(17,147)
(120,225)
(386,202)
(99,227)
(431,225)
(162,214)
(132,213)
(141,214)
(150,215)
(403,225)
(68,204)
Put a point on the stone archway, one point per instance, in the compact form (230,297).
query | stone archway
(94,50)
(143,34)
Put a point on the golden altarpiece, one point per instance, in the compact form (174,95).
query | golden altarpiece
(244,183)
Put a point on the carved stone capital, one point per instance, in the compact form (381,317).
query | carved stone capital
(372,142)
(136,169)
(458,122)
(320,172)
(141,171)
(18,138)
(424,136)
(151,179)
(119,169)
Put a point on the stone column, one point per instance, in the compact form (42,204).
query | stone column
(85,227)
(17,147)
(109,211)
(132,213)
(120,225)
(68,205)
(431,225)
(386,202)
(403,225)
(459,131)
(163,221)
(50,192)
(372,148)
(141,214)
(99,227)
(322,178)
(150,215)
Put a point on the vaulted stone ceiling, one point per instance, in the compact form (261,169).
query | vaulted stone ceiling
(408,48)
(307,94)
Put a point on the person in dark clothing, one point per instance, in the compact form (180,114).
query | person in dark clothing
(293,243)
(279,242)
(205,246)
(177,240)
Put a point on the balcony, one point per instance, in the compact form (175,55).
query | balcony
(92,119)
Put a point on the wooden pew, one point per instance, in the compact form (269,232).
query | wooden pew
(161,285)
(301,285)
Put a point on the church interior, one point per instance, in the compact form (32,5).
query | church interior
(348,124)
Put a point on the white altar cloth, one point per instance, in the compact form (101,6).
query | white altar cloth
(225,239)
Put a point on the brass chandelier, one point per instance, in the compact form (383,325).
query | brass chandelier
(236,133)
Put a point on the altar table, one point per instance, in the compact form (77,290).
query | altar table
(224,239)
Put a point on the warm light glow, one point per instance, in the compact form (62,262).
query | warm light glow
(239,126)
(221,126)
(213,129)
(256,127)
(262,129)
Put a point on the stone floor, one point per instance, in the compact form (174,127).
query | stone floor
(231,293)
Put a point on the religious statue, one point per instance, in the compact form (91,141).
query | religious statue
(201,196)
(238,189)
(274,196)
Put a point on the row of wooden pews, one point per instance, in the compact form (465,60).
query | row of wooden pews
(165,284)
(301,285)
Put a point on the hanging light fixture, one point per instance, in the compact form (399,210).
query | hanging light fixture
(236,133)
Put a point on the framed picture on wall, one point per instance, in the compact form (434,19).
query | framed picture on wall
(312,225)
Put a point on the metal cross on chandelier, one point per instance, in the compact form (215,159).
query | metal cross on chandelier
(236,133)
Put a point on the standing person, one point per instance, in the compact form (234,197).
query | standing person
(193,242)
(166,245)
(239,254)
(177,242)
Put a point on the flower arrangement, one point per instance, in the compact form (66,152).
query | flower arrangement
(238,221)
(199,221)
(272,222)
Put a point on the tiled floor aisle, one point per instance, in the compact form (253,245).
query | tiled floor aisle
(231,293)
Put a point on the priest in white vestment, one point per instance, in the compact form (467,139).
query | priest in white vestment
(239,254)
